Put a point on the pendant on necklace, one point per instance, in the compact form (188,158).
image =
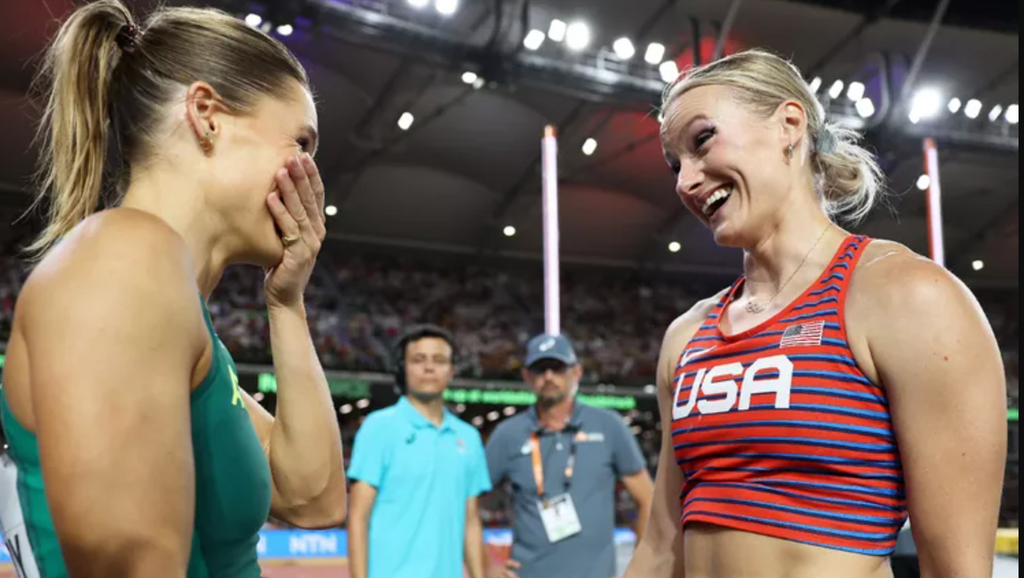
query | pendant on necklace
(755,308)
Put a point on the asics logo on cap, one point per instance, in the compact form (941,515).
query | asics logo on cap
(548,345)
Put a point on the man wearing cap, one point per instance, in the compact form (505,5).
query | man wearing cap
(562,460)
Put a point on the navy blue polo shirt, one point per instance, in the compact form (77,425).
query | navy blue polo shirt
(606,451)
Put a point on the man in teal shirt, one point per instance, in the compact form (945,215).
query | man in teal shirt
(417,471)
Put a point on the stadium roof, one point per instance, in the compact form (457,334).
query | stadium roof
(467,168)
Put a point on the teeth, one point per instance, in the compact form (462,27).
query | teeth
(720,194)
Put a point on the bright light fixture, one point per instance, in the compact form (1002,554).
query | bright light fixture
(866,108)
(534,39)
(510,231)
(406,120)
(978,265)
(331,210)
(655,53)
(856,91)
(285,30)
(254,20)
(577,37)
(447,7)
(996,113)
(469,77)
(589,146)
(557,30)
(1013,114)
(816,85)
(669,71)
(926,104)
(419,3)
(624,48)
(837,89)
(955,105)
(924,182)
(675,247)
(973,108)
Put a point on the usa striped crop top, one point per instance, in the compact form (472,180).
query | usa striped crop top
(779,433)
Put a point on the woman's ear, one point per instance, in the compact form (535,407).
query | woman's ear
(203,110)
(793,124)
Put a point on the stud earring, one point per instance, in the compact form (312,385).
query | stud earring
(206,143)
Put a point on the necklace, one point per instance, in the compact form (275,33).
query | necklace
(756,308)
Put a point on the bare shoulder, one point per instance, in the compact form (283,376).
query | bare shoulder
(116,258)
(682,330)
(892,280)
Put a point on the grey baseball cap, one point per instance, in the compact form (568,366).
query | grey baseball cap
(556,347)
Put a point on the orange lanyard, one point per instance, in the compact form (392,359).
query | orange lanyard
(538,463)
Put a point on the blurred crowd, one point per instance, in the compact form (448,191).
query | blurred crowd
(357,310)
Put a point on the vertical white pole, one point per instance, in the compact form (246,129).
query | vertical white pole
(936,238)
(552,274)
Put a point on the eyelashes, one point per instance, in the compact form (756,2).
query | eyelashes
(303,143)
(704,137)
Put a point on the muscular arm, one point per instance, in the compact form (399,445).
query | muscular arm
(303,443)
(363,498)
(114,333)
(474,543)
(660,553)
(938,359)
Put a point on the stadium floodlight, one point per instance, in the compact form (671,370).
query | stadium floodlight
(955,105)
(924,182)
(557,30)
(406,120)
(577,37)
(996,112)
(254,20)
(1013,114)
(837,89)
(669,71)
(866,108)
(447,7)
(534,39)
(926,104)
(856,91)
(816,84)
(624,48)
(589,146)
(973,109)
(655,53)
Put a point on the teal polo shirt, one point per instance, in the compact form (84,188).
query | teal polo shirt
(424,475)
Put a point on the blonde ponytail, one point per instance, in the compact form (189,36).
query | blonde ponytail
(73,134)
(106,76)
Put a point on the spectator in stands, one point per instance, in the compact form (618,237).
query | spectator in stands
(562,459)
(417,473)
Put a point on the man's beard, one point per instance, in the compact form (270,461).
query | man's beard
(551,399)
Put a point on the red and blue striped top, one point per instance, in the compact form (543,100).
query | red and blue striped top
(779,433)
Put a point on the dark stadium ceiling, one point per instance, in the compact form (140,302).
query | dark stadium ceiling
(467,168)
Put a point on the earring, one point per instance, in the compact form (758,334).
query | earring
(790,152)
(206,143)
